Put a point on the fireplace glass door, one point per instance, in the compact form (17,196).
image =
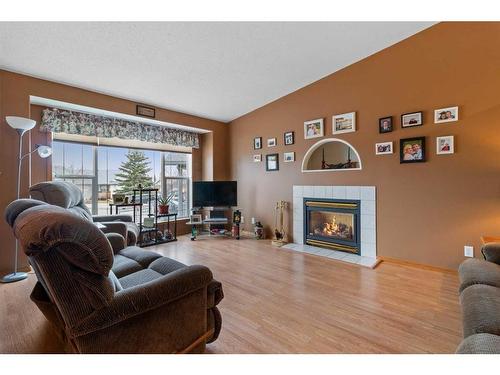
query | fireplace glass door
(333,225)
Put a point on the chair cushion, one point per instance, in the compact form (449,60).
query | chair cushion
(480,309)
(141,256)
(165,265)
(139,277)
(124,266)
(116,283)
(132,233)
(482,343)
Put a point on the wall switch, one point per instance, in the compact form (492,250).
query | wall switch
(469,251)
(253,220)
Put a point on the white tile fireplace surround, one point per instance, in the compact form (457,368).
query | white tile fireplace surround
(368,223)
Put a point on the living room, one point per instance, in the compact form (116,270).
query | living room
(250,187)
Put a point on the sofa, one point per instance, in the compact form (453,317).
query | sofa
(480,302)
(104,297)
(67,195)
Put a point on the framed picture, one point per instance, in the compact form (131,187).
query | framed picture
(445,145)
(383,148)
(257,143)
(272,162)
(313,129)
(344,123)
(257,158)
(289,138)
(412,150)
(449,114)
(288,157)
(196,219)
(271,142)
(411,119)
(385,125)
(145,111)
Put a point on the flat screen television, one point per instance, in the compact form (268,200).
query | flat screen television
(215,194)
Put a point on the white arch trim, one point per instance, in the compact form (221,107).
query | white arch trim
(315,146)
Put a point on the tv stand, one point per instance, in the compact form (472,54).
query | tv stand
(217,221)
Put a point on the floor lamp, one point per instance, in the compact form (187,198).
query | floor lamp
(22,125)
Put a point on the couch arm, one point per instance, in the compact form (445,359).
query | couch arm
(101,218)
(139,299)
(491,252)
(117,242)
(115,227)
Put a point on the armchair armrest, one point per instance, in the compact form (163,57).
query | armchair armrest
(491,252)
(101,218)
(139,299)
(115,227)
(117,241)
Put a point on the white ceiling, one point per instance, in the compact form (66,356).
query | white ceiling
(215,70)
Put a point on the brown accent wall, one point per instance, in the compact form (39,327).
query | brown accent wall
(426,212)
(15,90)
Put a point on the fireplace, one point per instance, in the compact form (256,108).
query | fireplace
(332,224)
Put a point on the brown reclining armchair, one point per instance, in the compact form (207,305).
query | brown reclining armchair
(67,195)
(150,304)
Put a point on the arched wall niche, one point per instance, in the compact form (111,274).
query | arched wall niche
(338,154)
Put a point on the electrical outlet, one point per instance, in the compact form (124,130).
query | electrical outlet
(253,220)
(469,251)
(243,220)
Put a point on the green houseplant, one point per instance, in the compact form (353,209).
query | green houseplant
(163,203)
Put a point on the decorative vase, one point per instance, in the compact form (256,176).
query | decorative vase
(163,209)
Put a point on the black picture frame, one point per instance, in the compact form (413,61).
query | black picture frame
(412,125)
(272,158)
(382,127)
(291,135)
(403,159)
(257,143)
(145,111)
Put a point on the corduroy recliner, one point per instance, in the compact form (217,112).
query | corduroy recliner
(150,304)
(67,195)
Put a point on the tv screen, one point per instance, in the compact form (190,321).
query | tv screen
(214,194)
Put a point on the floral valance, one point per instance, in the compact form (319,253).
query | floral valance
(70,122)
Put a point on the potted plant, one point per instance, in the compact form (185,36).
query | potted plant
(163,203)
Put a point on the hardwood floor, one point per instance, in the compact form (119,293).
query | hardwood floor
(281,301)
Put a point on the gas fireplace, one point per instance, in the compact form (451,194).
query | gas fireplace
(332,224)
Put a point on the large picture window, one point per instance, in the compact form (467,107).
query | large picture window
(101,171)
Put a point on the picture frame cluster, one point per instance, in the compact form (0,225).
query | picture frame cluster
(272,160)
(413,150)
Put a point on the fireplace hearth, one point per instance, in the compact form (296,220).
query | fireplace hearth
(332,224)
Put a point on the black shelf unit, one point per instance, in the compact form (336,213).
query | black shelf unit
(137,198)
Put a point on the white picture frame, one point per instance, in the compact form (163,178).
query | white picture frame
(289,157)
(257,158)
(344,123)
(272,142)
(384,148)
(314,129)
(445,145)
(442,115)
(195,219)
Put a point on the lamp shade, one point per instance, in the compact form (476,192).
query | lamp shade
(44,151)
(20,123)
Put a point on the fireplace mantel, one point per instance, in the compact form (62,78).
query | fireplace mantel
(367,197)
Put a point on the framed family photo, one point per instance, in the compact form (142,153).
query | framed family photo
(271,142)
(445,145)
(385,125)
(257,143)
(313,129)
(289,157)
(412,150)
(257,158)
(344,123)
(449,114)
(411,119)
(289,138)
(383,148)
(272,162)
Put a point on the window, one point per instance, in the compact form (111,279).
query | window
(177,181)
(101,171)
